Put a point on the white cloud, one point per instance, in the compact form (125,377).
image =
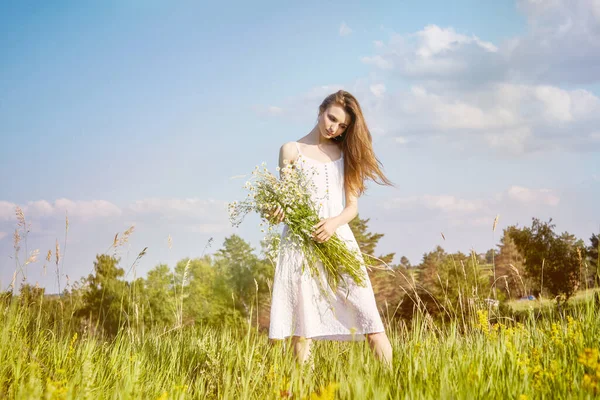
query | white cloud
(475,211)
(184,209)
(7,210)
(435,40)
(452,113)
(378,43)
(377,89)
(189,211)
(444,203)
(533,196)
(562,43)
(439,53)
(556,102)
(274,110)
(85,210)
(3,235)
(452,204)
(511,141)
(486,221)
(345,29)
(505,117)
(41,208)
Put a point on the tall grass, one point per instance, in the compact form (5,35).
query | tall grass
(535,359)
(473,352)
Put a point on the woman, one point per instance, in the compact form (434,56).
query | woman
(339,148)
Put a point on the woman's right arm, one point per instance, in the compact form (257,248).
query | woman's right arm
(288,153)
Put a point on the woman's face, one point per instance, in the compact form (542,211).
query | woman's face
(334,121)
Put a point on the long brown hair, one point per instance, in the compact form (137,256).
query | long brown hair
(360,162)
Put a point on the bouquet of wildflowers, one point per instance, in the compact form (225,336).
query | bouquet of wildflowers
(293,194)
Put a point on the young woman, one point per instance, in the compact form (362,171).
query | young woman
(339,148)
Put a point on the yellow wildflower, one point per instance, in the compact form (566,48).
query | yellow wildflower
(482,321)
(590,358)
(325,393)
(163,396)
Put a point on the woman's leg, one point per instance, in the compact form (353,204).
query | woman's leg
(381,346)
(301,347)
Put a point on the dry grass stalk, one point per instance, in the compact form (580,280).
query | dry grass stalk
(20,216)
(57,252)
(12,283)
(516,272)
(126,235)
(33,256)
(17,240)
(48,258)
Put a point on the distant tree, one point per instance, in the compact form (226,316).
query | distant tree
(448,284)
(106,297)
(552,261)
(238,271)
(404,262)
(510,270)
(454,281)
(490,255)
(430,267)
(159,296)
(423,297)
(29,294)
(388,285)
(594,259)
(367,241)
(202,294)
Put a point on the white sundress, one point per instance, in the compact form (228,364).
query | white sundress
(298,307)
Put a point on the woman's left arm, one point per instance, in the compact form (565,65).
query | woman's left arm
(327,226)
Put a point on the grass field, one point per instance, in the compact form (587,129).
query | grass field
(582,296)
(554,357)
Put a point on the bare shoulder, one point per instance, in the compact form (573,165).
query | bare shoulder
(289,152)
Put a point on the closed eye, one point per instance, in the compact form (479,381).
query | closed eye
(334,119)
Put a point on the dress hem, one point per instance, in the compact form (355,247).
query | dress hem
(343,337)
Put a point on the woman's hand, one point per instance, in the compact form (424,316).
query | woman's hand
(325,229)
(276,216)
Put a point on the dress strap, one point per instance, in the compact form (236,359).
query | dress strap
(298,148)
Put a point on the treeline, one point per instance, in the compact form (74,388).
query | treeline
(233,285)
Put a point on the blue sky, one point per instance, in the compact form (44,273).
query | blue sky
(140,113)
